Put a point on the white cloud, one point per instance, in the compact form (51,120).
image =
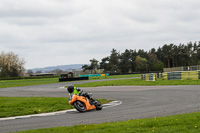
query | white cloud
(56,32)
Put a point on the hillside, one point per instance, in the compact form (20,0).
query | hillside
(61,67)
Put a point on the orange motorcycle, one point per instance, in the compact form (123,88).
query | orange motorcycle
(85,102)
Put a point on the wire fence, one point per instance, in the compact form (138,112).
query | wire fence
(186,68)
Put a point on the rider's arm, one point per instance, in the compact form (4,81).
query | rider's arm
(80,90)
(70,96)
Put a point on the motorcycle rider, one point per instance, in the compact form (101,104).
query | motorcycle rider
(74,90)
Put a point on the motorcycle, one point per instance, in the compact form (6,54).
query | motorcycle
(85,102)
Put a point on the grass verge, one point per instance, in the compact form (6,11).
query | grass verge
(27,82)
(184,123)
(17,106)
(133,82)
(115,76)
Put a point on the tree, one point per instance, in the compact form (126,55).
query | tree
(198,53)
(186,55)
(158,66)
(113,61)
(181,55)
(104,64)
(152,59)
(85,67)
(153,63)
(153,51)
(166,56)
(92,67)
(141,64)
(175,53)
(133,58)
(11,65)
(194,54)
(166,52)
(125,61)
(159,54)
(142,53)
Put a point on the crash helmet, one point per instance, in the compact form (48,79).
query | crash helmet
(70,88)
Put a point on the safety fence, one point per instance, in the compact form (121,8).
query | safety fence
(94,75)
(185,68)
(181,75)
(149,77)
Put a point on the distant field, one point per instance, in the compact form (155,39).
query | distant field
(27,82)
(132,82)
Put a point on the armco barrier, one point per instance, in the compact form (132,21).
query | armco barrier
(181,75)
(73,79)
(149,77)
(94,75)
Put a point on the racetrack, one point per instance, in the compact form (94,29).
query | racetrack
(137,102)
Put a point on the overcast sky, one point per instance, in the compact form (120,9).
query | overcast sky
(60,32)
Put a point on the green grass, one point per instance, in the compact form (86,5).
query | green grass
(26,82)
(115,76)
(184,123)
(16,106)
(133,82)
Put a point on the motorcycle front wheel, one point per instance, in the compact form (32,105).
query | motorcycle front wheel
(98,105)
(80,106)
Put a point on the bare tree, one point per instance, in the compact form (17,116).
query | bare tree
(11,65)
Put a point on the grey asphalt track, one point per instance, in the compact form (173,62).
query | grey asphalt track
(137,102)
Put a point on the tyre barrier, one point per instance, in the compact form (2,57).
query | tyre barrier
(149,77)
(181,75)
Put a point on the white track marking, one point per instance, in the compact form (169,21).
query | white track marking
(63,87)
(112,104)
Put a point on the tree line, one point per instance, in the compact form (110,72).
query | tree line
(129,61)
(169,55)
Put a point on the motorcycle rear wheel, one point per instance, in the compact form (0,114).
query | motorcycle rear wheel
(80,106)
